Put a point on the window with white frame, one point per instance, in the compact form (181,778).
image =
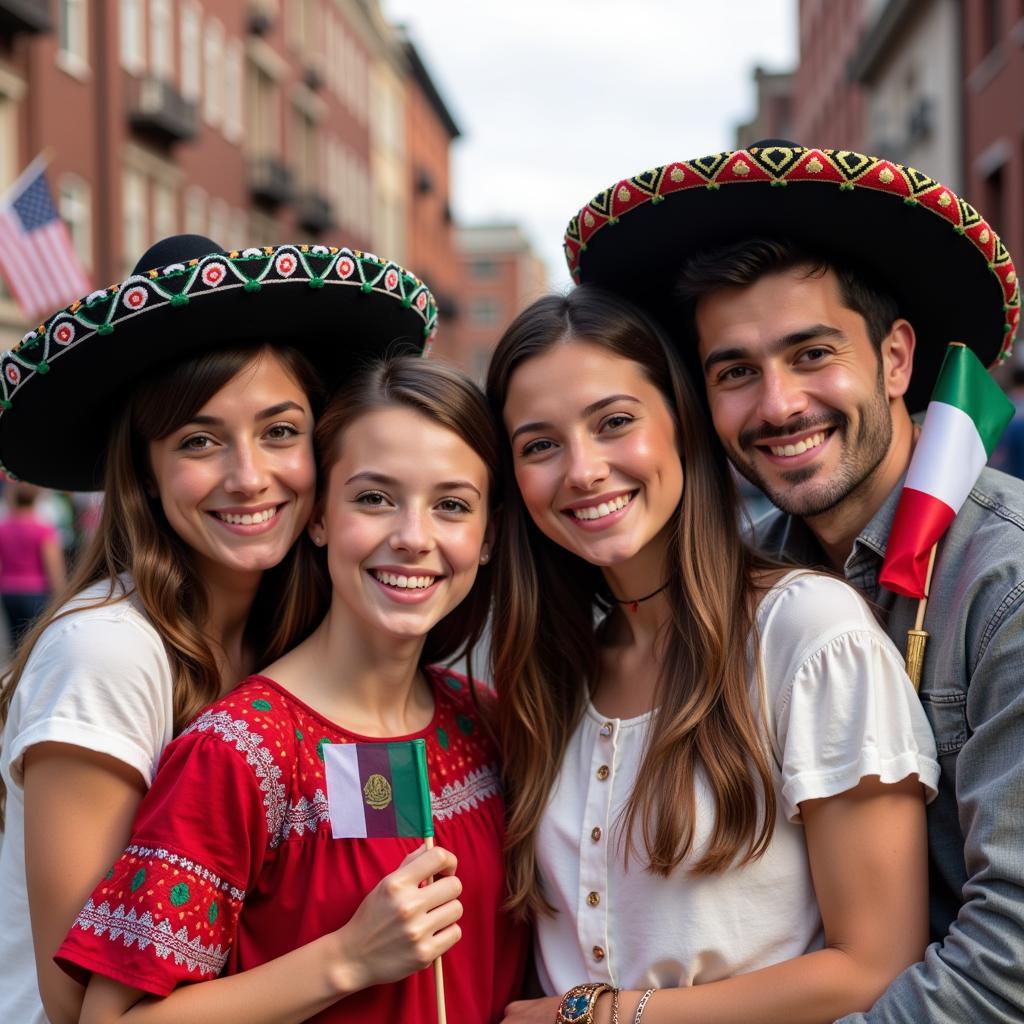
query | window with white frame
(134,218)
(195,211)
(263,112)
(165,214)
(213,72)
(133,36)
(233,91)
(72,35)
(161,42)
(76,212)
(191,54)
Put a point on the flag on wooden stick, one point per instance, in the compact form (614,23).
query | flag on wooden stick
(378,790)
(966,416)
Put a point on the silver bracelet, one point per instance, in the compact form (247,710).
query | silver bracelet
(642,1004)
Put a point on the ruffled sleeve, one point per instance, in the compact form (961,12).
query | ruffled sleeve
(841,706)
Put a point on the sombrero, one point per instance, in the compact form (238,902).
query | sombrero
(951,276)
(61,385)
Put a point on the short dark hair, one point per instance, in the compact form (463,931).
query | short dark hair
(740,264)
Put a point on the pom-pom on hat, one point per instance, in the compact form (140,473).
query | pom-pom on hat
(63,383)
(951,276)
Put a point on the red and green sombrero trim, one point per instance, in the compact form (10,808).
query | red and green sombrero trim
(780,166)
(248,270)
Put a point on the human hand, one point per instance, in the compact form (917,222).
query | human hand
(405,922)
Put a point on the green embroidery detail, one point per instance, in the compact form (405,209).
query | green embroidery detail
(406,302)
(252,286)
(465,724)
(316,282)
(324,741)
(211,914)
(180,895)
(261,705)
(298,735)
(442,738)
(5,404)
(109,875)
(657,199)
(180,299)
(909,202)
(366,287)
(105,329)
(43,367)
(452,683)
(846,186)
(138,879)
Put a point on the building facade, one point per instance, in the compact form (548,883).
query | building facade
(501,276)
(251,121)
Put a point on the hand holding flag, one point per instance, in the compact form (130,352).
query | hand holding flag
(381,790)
(966,416)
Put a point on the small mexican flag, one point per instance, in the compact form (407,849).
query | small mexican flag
(966,416)
(378,790)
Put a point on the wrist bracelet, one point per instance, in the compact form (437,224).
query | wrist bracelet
(642,1004)
(577,1005)
(615,1006)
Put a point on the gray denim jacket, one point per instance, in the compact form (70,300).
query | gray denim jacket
(972,690)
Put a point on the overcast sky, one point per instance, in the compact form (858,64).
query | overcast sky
(557,99)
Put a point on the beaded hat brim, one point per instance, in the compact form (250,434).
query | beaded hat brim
(62,385)
(950,274)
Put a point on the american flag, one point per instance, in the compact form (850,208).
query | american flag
(37,256)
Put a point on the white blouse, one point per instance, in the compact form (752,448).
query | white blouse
(838,706)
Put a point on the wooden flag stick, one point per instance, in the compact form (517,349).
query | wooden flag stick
(917,638)
(442,1016)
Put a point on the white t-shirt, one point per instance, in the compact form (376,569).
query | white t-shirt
(838,707)
(100,679)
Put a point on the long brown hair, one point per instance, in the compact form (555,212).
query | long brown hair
(134,537)
(546,647)
(452,400)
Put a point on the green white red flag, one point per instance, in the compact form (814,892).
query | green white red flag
(378,790)
(966,416)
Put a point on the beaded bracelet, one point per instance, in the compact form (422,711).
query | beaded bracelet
(642,1004)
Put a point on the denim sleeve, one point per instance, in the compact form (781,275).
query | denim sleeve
(975,973)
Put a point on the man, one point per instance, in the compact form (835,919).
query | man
(813,367)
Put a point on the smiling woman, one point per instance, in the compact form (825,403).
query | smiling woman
(302,918)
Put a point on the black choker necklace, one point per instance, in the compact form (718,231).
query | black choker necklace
(634,605)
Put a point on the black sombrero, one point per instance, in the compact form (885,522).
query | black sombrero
(947,269)
(59,385)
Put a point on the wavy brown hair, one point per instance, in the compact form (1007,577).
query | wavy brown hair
(452,400)
(134,537)
(549,604)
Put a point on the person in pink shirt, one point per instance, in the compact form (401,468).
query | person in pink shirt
(31,560)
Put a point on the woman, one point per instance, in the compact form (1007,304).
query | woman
(199,430)
(233,843)
(31,559)
(716,792)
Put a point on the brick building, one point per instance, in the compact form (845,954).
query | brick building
(252,121)
(501,276)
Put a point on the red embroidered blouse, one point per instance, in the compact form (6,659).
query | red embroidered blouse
(232,864)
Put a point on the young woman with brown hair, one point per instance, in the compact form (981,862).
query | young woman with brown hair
(716,768)
(199,430)
(241,859)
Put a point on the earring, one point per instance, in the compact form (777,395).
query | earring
(485,558)
(318,540)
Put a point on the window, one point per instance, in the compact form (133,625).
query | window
(165,215)
(484,268)
(213,77)
(133,36)
(483,312)
(304,147)
(134,227)
(160,42)
(195,211)
(72,37)
(233,91)
(262,112)
(76,212)
(190,53)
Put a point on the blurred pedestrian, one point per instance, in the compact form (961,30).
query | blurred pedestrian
(1009,453)
(31,559)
